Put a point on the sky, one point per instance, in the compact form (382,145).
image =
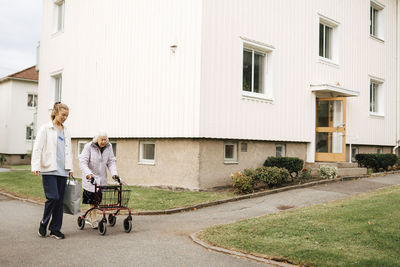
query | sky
(20,27)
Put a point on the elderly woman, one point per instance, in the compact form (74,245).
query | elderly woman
(96,156)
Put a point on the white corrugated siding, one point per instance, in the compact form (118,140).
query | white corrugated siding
(118,70)
(291,26)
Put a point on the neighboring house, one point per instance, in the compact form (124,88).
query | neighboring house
(190,91)
(18,104)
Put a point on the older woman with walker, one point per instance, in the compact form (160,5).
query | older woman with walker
(95,158)
(52,158)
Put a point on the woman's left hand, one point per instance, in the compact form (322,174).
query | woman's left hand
(71,174)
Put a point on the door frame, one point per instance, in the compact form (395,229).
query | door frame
(325,156)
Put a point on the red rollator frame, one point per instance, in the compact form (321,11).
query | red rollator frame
(109,198)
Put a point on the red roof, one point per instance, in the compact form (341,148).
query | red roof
(29,74)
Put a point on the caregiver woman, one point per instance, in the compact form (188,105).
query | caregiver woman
(52,158)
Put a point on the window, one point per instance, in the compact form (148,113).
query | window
(147,152)
(376,20)
(29,133)
(57,87)
(32,100)
(376,98)
(328,39)
(114,148)
(81,145)
(243,147)
(257,70)
(230,152)
(280,150)
(379,150)
(59,9)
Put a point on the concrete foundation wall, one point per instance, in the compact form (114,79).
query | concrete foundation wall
(17,160)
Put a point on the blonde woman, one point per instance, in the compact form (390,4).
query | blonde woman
(95,158)
(52,158)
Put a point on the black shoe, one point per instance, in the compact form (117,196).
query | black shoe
(42,230)
(57,234)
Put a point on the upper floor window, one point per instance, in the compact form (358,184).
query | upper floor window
(257,70)
(328,39)
(376,103)
(57,87)
(376,20)
(29,132)
(32,100)
(59,12)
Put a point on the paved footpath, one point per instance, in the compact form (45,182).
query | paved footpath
(160,240)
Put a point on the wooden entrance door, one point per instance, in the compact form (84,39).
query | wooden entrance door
(330,139)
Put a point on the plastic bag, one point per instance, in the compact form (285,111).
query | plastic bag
(72,197)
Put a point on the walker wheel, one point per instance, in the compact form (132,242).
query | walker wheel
(81,223)
(102,228)
(127,225)
(112,219)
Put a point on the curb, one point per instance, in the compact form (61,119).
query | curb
(195,239)
(222,201)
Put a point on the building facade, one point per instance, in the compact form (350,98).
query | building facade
(190,91)
(18,103)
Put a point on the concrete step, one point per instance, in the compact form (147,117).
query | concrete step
(342,172)
(335,164)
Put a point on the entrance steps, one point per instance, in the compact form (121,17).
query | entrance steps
(344,168)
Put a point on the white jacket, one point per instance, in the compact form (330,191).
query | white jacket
(44,154)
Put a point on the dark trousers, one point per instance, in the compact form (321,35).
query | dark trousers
(54,187)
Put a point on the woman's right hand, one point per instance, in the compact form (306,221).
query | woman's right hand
(36,173)
(89,176)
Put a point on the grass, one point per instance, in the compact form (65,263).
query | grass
(25,184)
(358,231)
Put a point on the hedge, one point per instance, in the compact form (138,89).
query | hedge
(293,165)
(376,161)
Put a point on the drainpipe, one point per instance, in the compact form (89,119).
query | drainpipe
(398,79)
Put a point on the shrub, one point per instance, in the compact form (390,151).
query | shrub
(293,165)
(2,159)
(376,161)
(305,173)
(271,176)
(328,172)
(242,184)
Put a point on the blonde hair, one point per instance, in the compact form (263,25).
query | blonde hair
(56,109)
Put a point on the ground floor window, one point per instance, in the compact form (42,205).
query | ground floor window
(354,152)
(280,150)
(230,152)
(81,145)
(147,152)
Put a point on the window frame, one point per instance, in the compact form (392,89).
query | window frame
(267,70)
(34,95)
(283,152)
(31,136)
(334,40)
(379,97)
(78,146)
(141,150)
(56,88)
(234,159)
(376,27)
(59,16)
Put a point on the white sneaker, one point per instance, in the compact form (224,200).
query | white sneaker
(88,222)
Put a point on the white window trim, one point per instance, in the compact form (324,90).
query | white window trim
(268,69)
(35,94)
(115,143)
(283,149)
(52,88)
(77,149)
(234,160)
(32,135)
(146,161)
(381,96)
(380,35)
(334,61)
(56,6)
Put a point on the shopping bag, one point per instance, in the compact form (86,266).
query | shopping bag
(72,197)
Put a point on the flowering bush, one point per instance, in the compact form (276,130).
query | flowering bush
(242,183)
(305,173)
(328,172)
(271,176)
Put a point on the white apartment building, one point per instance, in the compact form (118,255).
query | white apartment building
(18,103)
(190,91)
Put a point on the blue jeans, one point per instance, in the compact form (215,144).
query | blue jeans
(54,187)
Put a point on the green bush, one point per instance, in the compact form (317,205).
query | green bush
(376,161)
(305,173)
(293,165)
(242,184)
(2,159)
(328,172)
(271,176)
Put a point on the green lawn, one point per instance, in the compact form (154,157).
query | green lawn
(25,184)
(359,231)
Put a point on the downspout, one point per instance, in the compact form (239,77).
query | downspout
(398,79)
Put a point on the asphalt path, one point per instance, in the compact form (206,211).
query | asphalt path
(158,240)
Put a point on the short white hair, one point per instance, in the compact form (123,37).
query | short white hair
(100,133)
